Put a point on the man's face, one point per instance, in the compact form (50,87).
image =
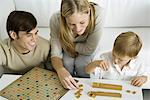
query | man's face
(27,41)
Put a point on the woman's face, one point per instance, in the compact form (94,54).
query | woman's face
(78,22)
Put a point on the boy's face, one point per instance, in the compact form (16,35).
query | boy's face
(121,61)
(26,41)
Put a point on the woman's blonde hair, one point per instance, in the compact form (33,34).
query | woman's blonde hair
(127,44)
(68,7)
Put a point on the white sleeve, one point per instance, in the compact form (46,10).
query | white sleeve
(143,69)
(100,57)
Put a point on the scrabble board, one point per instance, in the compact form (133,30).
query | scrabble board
(37,84)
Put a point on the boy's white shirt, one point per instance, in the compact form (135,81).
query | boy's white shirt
(135,68)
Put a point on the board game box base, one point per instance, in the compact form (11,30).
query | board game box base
(37,84)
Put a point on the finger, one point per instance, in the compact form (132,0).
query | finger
(103,67)
(74,83)
(69,83)
(139,84)
(65,85)
(133,81)
(106,65)
(136,82)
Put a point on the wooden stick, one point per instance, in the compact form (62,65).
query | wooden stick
(106,86)
(110,94)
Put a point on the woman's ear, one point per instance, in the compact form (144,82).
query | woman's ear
(13,35)
(89,9)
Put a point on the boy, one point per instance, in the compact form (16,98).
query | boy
(122,63)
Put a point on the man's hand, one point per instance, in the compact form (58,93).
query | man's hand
(139,80)
(66,79)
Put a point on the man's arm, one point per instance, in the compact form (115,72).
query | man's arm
(2,58)
(1,71)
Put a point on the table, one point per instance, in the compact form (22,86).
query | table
(6,79)
(87,87)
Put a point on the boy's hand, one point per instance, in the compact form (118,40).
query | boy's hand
(104,65)
(139,80)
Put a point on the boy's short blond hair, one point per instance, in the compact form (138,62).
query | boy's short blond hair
(127,44)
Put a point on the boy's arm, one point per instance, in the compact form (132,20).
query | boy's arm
(139,80)
(91,66)
(103,64)
(142,73)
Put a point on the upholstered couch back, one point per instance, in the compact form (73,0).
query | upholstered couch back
(120,16)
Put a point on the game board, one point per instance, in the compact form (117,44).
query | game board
(37,84)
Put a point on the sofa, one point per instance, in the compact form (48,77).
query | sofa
(120,16)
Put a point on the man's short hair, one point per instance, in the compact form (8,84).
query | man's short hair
(20,21)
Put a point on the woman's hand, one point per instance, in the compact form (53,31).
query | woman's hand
(66,79)
(139,80)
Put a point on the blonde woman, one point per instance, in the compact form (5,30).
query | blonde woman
(123,63)
(75,34)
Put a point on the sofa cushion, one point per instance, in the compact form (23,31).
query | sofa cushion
(127,13)
(6,6)
(41,9)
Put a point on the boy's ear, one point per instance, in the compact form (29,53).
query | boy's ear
(13,35)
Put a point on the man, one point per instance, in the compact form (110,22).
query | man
(24,49)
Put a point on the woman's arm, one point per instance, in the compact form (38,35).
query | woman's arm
(64,76)
(57,54)
(57,63)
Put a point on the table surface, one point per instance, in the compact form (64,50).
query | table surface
(6,79)
(87,87)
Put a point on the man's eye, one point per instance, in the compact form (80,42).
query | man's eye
(29,35)
(36,33)
(121,60)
